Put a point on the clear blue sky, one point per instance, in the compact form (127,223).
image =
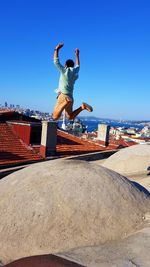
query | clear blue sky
(114,41)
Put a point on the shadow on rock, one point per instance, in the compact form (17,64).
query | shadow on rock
(141,188)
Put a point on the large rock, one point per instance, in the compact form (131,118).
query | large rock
(63,204)
(131,160)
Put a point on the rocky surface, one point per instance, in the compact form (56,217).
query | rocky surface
(132,251)
(61,205)
(84,212)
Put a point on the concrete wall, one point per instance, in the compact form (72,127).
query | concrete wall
(103,133)
(48,138)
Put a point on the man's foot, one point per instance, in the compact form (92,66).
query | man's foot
(87,107)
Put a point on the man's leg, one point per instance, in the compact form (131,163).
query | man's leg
(72,115)
(61,103)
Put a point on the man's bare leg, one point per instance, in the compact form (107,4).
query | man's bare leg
(59,109)
(76,112)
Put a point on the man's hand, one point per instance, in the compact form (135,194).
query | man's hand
(77,51)
(77,57)
(59,46)
(56,51)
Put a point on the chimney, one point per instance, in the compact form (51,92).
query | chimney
(48,139)
(103,133)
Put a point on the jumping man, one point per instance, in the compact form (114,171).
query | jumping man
(68,76)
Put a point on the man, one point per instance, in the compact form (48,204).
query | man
(69,74)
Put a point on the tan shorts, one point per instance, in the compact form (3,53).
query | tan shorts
(61,99)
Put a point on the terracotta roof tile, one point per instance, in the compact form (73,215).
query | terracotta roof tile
(12,149)
(68,145)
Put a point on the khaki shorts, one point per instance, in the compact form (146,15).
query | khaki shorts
(62,98)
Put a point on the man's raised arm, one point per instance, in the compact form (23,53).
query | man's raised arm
(77,57)
(56,51)
(56,58)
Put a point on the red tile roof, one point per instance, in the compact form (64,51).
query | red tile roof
(68,145)
(122,143)
(12,149)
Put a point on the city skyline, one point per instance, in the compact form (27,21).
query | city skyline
(30,111)
(113,38)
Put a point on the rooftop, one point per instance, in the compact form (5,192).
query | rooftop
(12,149)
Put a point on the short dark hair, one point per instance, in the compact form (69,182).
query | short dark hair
(69,63)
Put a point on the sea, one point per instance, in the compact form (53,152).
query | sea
(92,125)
